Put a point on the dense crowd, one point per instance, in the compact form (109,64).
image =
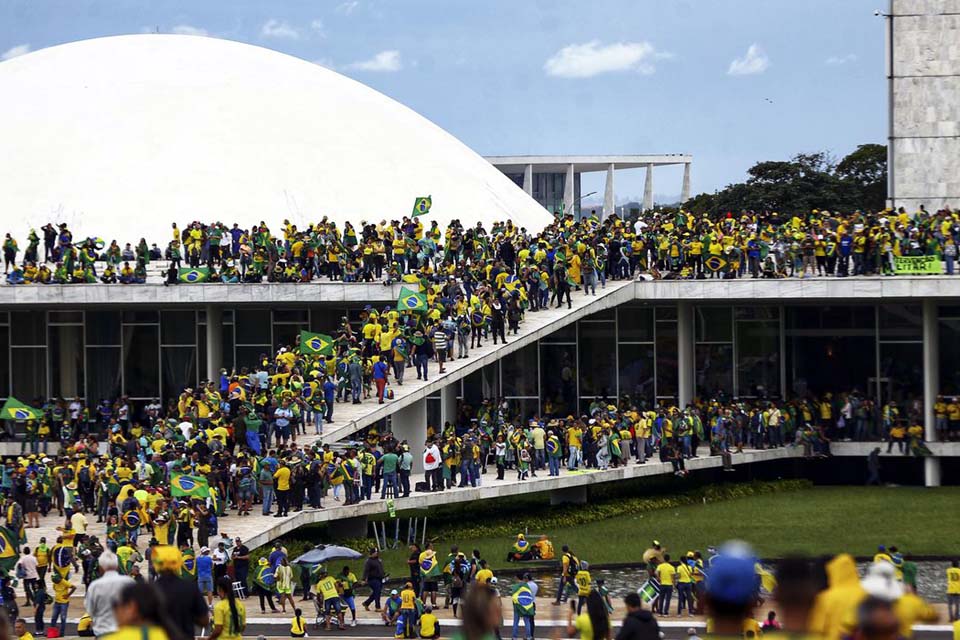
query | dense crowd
(675,244)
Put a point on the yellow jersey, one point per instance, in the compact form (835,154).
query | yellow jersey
(953,581)
(666,573)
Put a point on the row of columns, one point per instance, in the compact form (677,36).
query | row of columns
(609,203)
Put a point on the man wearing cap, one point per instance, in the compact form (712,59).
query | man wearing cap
(205,574)
(732,585)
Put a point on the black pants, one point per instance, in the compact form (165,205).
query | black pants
(405,482)
(283,498)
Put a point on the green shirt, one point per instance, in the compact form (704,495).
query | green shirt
(389,461)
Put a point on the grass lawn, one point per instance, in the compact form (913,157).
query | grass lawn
(823,520)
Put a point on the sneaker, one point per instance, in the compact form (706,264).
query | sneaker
(353,623)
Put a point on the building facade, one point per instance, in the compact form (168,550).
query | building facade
(923,72)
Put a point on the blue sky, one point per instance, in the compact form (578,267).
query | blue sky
(730,81)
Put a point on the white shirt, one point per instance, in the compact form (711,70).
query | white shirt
(220,557)
(29,565)
(101,595)
(74,410)
(433,452)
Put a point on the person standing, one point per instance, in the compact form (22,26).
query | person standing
(282,483)
(380,373)
(186,608)
(638,624)
(373,574)
(405,467)
(62,590)
(665,574)
(103,593)
(31,579)
(388,465)
(524,609)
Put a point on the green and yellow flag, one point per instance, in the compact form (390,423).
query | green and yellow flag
(182,485)
(421,206)
(316,344)
(13,409)
(9,549)
(411,300)
(193,276)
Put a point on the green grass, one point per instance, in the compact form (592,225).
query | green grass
(825,520)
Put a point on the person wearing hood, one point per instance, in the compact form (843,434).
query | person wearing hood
(639,624)
(836,605)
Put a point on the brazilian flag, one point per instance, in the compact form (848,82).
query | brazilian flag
(9,549)
(511,282)
(182,485)
(13,409)
(188,570)
(131,519)
(411,300)
(421,206)
(193,276)
(316,343)
(62,559)
(714,263)
(264,577)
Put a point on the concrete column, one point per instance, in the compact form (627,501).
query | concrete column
(685,188)
(214,342)
(685,353)
(410,424)
(608,202)
(931,386)
(648,189)
(528,180)
(448,405)
(568,191)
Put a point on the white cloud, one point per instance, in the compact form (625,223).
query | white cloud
(319,28)
(189,30)
(756,61)
(274,28)
(592,58)
(13,52)
(383,61)
(346,8)
(839,60)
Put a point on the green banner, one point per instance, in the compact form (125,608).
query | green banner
(917,265)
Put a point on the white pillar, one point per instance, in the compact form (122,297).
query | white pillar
(568,191)
(608,202)
(684,353)
(685,188)
(528,180)
(214,342)
(448,405)
(931,386)
(410,424)
(648,189)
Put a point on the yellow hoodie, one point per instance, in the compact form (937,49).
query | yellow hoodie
(834,607)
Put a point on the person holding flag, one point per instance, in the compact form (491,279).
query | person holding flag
(265,584)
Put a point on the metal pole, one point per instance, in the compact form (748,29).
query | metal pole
(423,534)
(376,537)
(396,534)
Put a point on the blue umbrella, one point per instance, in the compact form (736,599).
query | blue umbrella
(325,553)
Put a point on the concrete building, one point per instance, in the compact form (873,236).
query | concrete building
(554,181)
(923,71)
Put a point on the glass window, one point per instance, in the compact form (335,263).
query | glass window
(326,319)
(667,359)
(606,314)
(141,316)
(523,409)
(666,313)
(291,315)
(901,372)
(66,361)
(559,384)
(28,328)
(758,359)
(714,369)
(253,326)
(249,356)
(141,367)
(103,327)
(433,412)
(713,324)
(103,375)
(945,311)
(4,361)
(519,372)
(901,322)
(179,365)
(31,380)
(636,371)
(757,313)
(482,385)
(566,334)
(226,349)
(635,324)
(178,327)
(287,334)
(4,317)
(821,363)
(949,356)
(598,359)
(74,317)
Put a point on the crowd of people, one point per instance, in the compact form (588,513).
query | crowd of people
(674,244)
(822,598)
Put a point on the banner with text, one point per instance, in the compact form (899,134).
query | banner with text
(913,265)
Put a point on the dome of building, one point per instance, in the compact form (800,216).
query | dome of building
(119,137)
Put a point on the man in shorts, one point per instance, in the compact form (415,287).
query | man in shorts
(330,596)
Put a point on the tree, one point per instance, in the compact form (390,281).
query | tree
(866,169)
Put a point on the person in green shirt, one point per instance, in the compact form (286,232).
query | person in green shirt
(388,468)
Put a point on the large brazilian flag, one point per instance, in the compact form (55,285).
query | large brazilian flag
(193,276)
(316,343)
(411,300)
(13,409)
(182,485)
(9,549)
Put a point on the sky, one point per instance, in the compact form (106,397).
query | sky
(731,82)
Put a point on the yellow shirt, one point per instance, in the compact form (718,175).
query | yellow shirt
(61,591)
(428,625)
(408,599)
(666,573)
(953,581)
(583,624)
(282,476)
(298,626)
(222,617)
(582,580)
(483,576)
(910,609)
(684,573)
(328,588)
(26,636)
(137,633)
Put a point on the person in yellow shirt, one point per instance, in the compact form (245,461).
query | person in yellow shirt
(912,609)
(429,624)
(281,480)
(62,590)
(298,626)
(685,585)
(20,629)
(666,574)
(953,590)
(330,596)
(229,614)
(582,581)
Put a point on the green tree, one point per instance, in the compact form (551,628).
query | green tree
(866,169)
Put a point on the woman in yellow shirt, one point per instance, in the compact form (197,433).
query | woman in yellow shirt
(229,614)
(140,615)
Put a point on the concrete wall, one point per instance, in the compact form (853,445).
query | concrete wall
(926,103)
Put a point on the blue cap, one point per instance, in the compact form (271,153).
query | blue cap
(733,579)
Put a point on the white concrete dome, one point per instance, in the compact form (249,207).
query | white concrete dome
(121,136)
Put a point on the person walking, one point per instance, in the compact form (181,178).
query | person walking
(103,593)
